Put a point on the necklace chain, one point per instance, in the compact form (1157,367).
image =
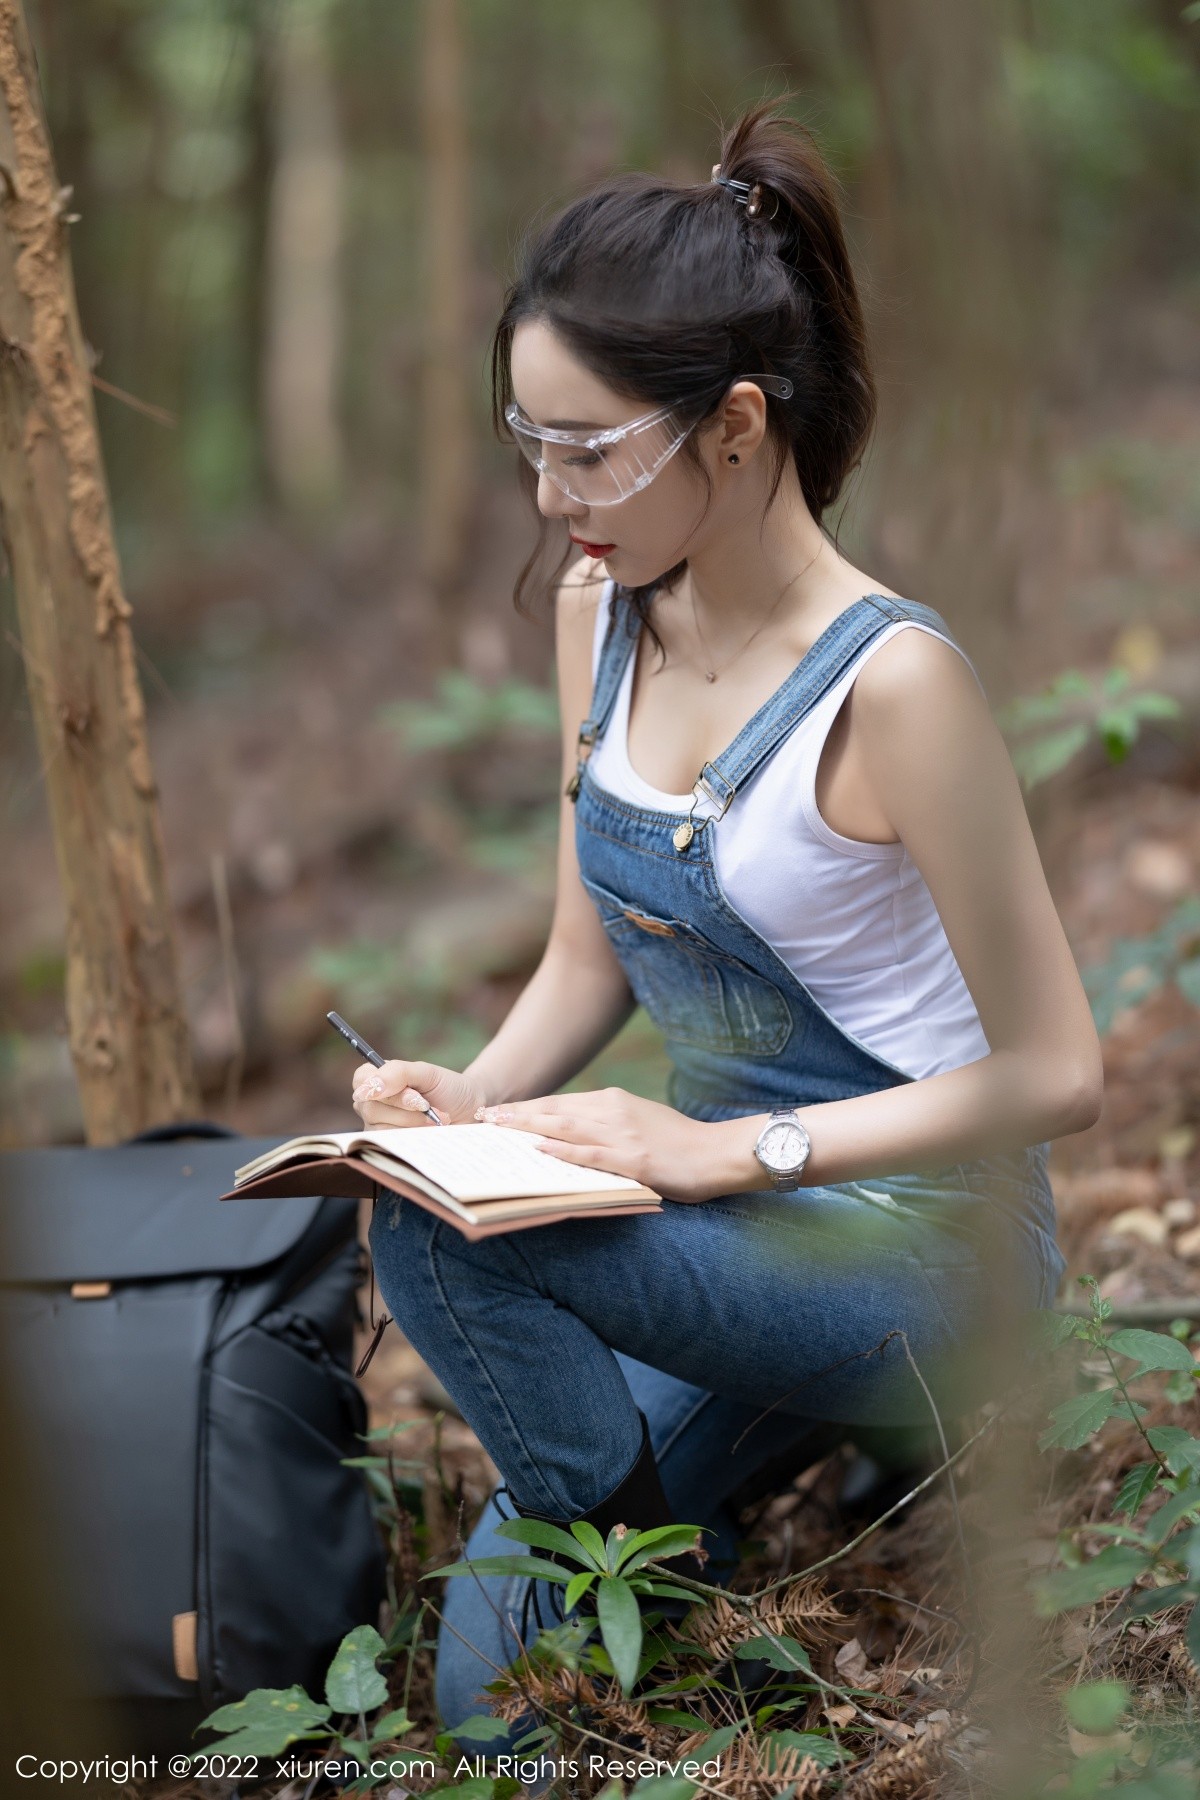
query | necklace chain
(710,674)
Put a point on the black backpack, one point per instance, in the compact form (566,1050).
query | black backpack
(181,1366)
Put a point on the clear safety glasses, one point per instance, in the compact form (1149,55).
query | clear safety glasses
(598,468)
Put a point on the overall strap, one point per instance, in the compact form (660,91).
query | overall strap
(619,639)
(816,673)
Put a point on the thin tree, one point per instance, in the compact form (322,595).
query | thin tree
(962,318)
(446,465)
(125,1013)
(304,300)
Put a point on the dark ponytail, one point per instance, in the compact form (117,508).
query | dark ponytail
(669,292)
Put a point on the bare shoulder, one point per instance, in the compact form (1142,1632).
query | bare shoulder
(914,670)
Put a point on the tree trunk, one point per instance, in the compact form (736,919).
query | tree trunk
(446,462)
(962,328)
(303,274)
(125,1015)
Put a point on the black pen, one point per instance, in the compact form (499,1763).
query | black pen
(360,1044)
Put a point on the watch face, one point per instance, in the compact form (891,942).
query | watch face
(782,1146)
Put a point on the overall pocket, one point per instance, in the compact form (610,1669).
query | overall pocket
(695,992)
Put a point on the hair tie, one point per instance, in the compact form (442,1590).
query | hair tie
(749,194)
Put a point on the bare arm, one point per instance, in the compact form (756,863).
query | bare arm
(578,998)
(941,773)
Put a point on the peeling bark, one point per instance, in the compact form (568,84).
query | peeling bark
(128,1031)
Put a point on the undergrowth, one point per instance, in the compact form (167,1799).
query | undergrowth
(854,1668)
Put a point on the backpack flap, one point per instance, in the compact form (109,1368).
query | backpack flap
(138,1212)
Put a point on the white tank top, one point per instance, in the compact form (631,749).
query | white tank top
(866,941)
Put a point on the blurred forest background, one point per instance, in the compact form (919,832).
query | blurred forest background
(292,225)
(296,220)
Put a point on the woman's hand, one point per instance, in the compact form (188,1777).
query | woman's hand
(680,1158)
(393,1094)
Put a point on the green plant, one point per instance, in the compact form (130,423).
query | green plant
(466,713)
(1137,967)
(1153,1537)
(269,1720)
(1049,729)
(1165,1548)
(614,1570)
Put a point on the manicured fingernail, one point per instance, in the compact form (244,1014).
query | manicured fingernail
(372,1088)
(411,1099)
(480,1111)
(497,1114)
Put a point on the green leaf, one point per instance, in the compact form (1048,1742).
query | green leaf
(717,1741)
(1055,1328)
(354,1684)
(620,1626)
(546,1537)
(1178,1389)
(822,1749)
(1187,980)
(1179,1448)
(1164,1521)
(664,1787)
(578,1585)
(482,1728)
(1037,761)
(1115,1567)
(658,1585)
(1139,1483)
(536,1567)
(780,1652)
(1186,1549)
(391,1725)
(663,1541)
(266,1722)
(266,1703)
(1151,1350)
(1096,1706)
(1125,1534)
(591,1540)
(1160,1784)
(674,1715)
(1153,1600)
(1077,1418)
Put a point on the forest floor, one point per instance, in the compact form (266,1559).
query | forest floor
(310,859)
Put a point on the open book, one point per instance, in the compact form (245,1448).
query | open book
(479,1178)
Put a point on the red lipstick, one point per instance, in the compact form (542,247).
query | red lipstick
(592,549)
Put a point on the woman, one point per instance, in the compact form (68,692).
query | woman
(799,843)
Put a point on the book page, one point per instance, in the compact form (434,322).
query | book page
(330,1143)
(490,1162)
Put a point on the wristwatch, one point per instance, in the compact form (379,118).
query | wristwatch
(783,1147)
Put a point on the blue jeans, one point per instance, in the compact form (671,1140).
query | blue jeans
(741,1327)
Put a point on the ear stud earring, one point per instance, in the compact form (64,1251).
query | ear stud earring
(734,457)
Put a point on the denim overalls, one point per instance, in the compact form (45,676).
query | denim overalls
(744,1325)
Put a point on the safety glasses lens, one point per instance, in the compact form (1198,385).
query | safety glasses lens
(599,468)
